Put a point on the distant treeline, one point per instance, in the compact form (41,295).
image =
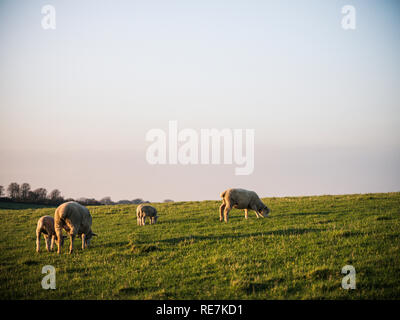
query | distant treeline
(24,194)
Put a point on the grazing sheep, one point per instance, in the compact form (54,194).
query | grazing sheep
(241,199)
(45,225)
(143,211)
(75,218)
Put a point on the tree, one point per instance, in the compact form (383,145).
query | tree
(137,201)
(32,196)
(1,191)
(124,202)
(24,191)
(93,202)
(82,200)
(168,200)
(13,190)
(86,201)
(106,201)
(40,194)
(55,196)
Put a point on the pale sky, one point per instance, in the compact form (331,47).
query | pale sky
(76,102)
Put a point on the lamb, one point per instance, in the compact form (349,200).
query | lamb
(45,225)
(241,199)
(143,211)
(77,220)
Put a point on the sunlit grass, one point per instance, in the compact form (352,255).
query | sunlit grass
(189,254)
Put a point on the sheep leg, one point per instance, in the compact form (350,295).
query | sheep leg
(143,220)
(71,240)
(226,213)
(246,214)
(221,210)
(83,241)
(138,221)
(38,241)
(256,211)
(53,238)
(48,242)
(59,239)
(71,244)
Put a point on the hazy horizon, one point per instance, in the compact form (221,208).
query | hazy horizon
(76,102)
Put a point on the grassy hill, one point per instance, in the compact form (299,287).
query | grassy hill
(297,254)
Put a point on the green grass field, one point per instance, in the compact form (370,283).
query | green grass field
(189,254)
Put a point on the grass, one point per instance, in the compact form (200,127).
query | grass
(189,254)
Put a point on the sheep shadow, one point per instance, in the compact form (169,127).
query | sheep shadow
(83,270)
(287,232)
(321,213)
(117,244)
(183,218)
(257,287)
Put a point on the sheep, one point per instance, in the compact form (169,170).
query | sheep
(241,199)
(143,211)
(77,219)
(45,225)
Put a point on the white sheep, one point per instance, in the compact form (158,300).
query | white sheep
(45,226)
(75,218)
(143,211)
(241,199)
